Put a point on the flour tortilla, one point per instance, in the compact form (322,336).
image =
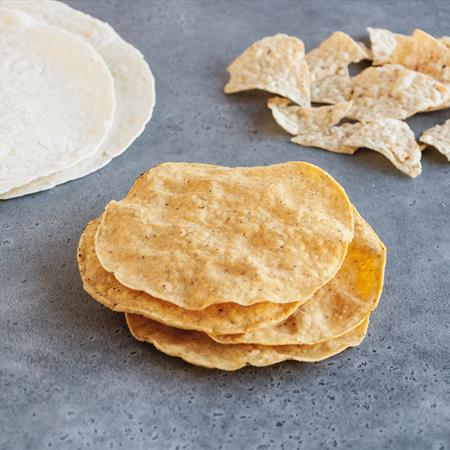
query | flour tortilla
(57,99)
(133,85)
(224,318)
(199,349)
(197,234)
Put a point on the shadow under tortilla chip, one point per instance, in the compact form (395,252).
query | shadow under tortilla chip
(274,64)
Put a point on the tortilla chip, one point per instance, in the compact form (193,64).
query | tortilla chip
(393,139)
(383,44)
(222,319)
(331,139)
(274,64)
(199,349)
(392,91)
(439,137)
(445,40)
(339,306)
(197,235)
(425,54)
(295,119)
(333,89)
(328,66)
(367,50)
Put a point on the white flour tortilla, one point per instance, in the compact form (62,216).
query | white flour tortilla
(57,99)
(133,83)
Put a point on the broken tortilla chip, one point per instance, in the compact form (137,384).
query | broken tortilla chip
(393,139)
(328,65)
(331,139)
(295,119)
(274,64)
(383,44)
(392,91)
(423,53)
(439,137)
(367,50)
(199,349)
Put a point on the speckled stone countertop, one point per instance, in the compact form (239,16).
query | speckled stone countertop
(70,374)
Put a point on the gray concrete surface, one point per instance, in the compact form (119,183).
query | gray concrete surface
(70,374)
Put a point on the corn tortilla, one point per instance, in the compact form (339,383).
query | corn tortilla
(223,318)
(199,349)
(339,306)
(197,235)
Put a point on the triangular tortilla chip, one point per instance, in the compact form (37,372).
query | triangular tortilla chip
(393,139)
(425,54)
(295,119)
(383,44)
(274,64)
(392,91)
(439,137)
(328,65)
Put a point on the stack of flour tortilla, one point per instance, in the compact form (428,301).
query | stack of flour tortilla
(228,267)
(74,95)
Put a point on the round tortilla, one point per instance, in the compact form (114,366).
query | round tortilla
(57,99)
(339,306)
(224,318)
(197,235)
(133,85)
(197,348)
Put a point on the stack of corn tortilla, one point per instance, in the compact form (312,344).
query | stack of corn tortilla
(228,267)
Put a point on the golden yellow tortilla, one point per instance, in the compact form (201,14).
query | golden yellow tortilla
(339,306)
(197,235)
(222,318)
(197,348)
